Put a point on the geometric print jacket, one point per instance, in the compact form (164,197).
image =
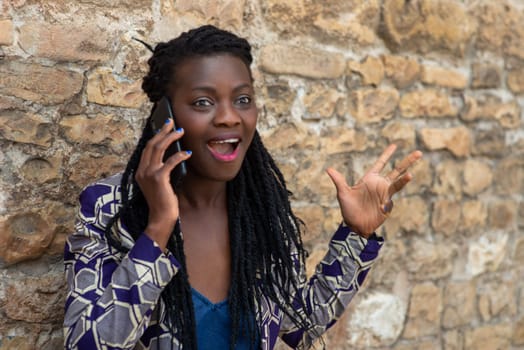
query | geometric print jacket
(113,300)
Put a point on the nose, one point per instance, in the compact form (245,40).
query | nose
(226,115)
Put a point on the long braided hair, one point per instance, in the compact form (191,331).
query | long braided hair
(265,239)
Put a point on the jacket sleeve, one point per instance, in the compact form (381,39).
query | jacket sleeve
(337,278)
(111,295)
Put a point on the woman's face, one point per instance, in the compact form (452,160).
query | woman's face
(213,100)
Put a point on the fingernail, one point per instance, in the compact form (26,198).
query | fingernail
(157,131)
(167,121)
(189,152)
(179,130)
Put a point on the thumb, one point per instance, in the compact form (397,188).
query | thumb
(338,179)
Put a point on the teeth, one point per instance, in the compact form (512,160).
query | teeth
(226,141)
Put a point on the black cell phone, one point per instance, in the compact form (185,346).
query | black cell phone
(162,112)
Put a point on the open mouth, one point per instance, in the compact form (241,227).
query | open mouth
(225,149)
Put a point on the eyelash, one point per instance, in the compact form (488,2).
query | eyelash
(204,102)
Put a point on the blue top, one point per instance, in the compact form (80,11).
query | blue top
(213,324)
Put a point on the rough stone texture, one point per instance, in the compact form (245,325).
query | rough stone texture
(66,42)
(424,311)
(426,25)
(336,81)
(105,88)
(477,176)
(25,128)
(403,71)
(302,61)
(6,32)
(456,140)
(459,304)
(490,107)
(37,83)
(374,105)
(426,103)
(515,81)
(488,337)
(443,77)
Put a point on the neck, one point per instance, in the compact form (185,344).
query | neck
(201,194)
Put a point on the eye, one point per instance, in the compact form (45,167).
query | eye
(202,102)
(244,100)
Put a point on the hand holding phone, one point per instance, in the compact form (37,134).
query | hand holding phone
(162,112)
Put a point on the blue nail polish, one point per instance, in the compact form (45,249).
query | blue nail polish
(167,121)
(179,130)
(189,152)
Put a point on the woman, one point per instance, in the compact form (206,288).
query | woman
(215,261)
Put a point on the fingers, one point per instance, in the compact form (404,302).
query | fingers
(383,159)
(338,179)
(404,165)
(145,158)
(399,184)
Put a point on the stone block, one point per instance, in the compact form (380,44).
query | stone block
(486,253)
(510,175)
(67,42)
(496,298)
(478,176)
(279,98)
(518,332)
(336,140)
(303,61)
(425,26)
(459,304)
(410,215)
(503,214)
(25,128)
(488,337)
(425,307)
(101,129)
(457,140)
(226,13)
(371,70)
(24,236)
(88,167)
(446,216)
(474,215)
(485,76)
(515,81)
(490,107)
(320,102)
(6,32)
(489,142)
(426,103)
(448,178)
(429,260)
(402,134)
(106,88)
(374,105)
(402,71)
(443,77)
(40,170)
(46,85)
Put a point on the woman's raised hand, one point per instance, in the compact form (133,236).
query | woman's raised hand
(153,177)
(367,204)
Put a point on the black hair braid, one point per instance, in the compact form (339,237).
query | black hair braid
(264,233)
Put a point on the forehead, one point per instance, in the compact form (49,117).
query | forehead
(214,69)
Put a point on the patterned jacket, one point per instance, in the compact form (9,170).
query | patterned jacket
(114,300)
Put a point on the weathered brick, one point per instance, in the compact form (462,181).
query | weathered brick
(448,178)
(302,61)
(400,133)
(227,13)
(40,170)
(459,304)
(487,106)
(515,81)
(446,216)
(486,253)
(503,214)
(320,102)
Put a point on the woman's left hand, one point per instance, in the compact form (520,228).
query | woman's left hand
(367,204)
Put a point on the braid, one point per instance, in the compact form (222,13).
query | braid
(264,233)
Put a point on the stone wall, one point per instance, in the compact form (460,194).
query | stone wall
(337,81)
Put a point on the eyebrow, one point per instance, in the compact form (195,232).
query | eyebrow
(212,89)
